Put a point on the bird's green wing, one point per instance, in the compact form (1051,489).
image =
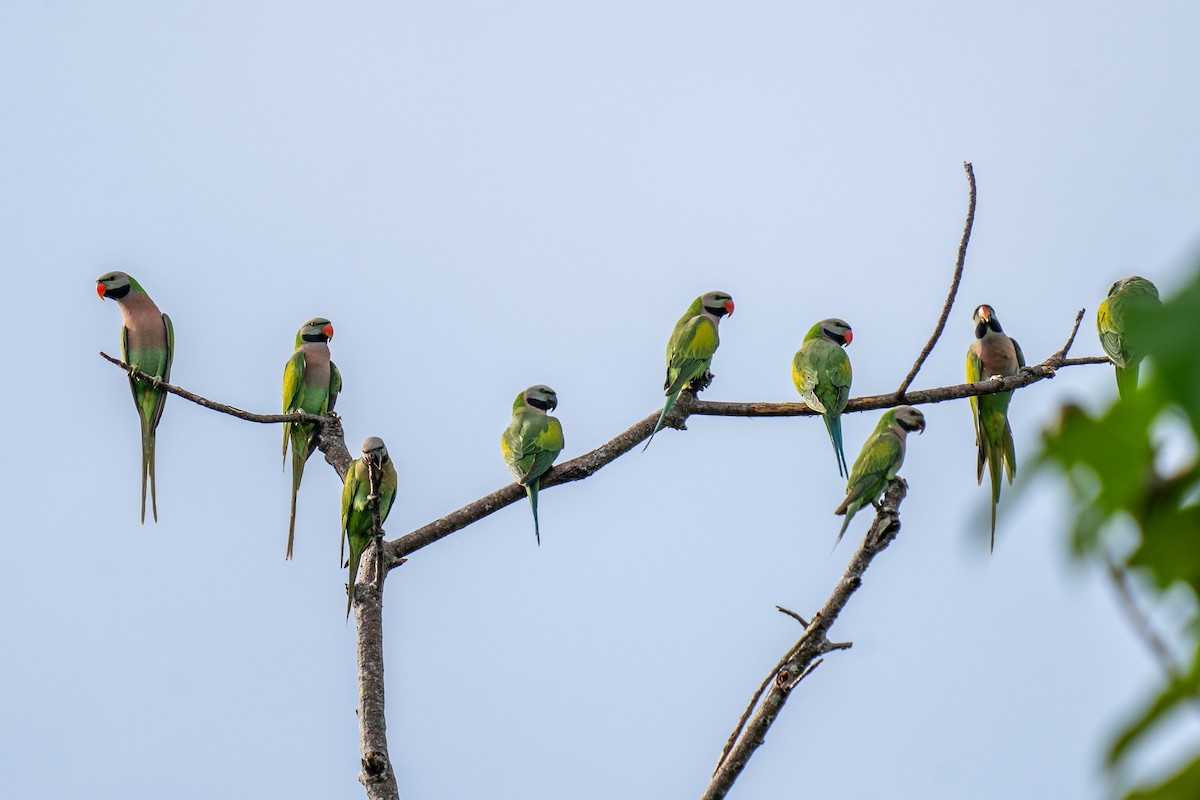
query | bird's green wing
(690,351)
(833,384)
(974,375)
(349,489)
(293,379)
(335,386)
(1110,324)
(1020,355)
(804,376)
(533,446)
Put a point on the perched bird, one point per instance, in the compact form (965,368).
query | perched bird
(993,355)
(821,372)
(532,441)
(1124,346)
(148,343)
(691,346)
(357,517)
(311,383)
(881,458)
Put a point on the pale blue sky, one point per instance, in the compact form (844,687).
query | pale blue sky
(482,196)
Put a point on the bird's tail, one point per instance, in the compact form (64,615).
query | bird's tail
(300,453)
(355,558)
(842,509)
(833,424)
(1127,380)
(148,469)
(667,406)
(531,489)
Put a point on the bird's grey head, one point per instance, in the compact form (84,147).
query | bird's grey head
(114,284)
(1136,281)
(541,397)
(317,329)
(985,320)
(910,419)
(373,449)
(837,331)
(717,303)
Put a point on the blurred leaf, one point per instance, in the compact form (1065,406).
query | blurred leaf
(1183,785)
(1176,692)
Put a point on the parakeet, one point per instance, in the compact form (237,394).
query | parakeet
(148,343)
(1120,343)
(881,458)
(532,441)
(992,355)
(311,383)
(821,372)
(357,518)
(691,346)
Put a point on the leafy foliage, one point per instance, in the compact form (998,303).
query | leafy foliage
(1111,463)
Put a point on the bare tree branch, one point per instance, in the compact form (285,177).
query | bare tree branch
(233,411)
(958,271)
(805,654)
(589,463)
(377,775)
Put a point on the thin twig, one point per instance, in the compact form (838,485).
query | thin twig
(958,271)
(214,406)
(1138,619)
(792,614)
(1061,356)
(803,656)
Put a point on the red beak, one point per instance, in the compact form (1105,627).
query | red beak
(100,289)
(328,331)
(848,336)
(729,307)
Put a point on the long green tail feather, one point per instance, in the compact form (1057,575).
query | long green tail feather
(300,454)
(148,468)
(833,424)
(531,489)
(1127,381)
(671,398)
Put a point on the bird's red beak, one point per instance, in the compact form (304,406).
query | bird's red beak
(328,331)
(729,307)
(848,336)
(100,289)
(984,314)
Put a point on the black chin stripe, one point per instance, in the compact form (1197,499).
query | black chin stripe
(314,337)
(118,293)
(542,404)
(719,311)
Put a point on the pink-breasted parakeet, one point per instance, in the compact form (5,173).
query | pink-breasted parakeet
(148,343)
(311,383)
(993,355)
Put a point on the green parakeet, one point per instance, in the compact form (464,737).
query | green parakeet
(311,383)
(1121,344)
(691,346)
(532,441)
(821,372)
(881,458)
(993,355)
(356,510)
(148,343)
